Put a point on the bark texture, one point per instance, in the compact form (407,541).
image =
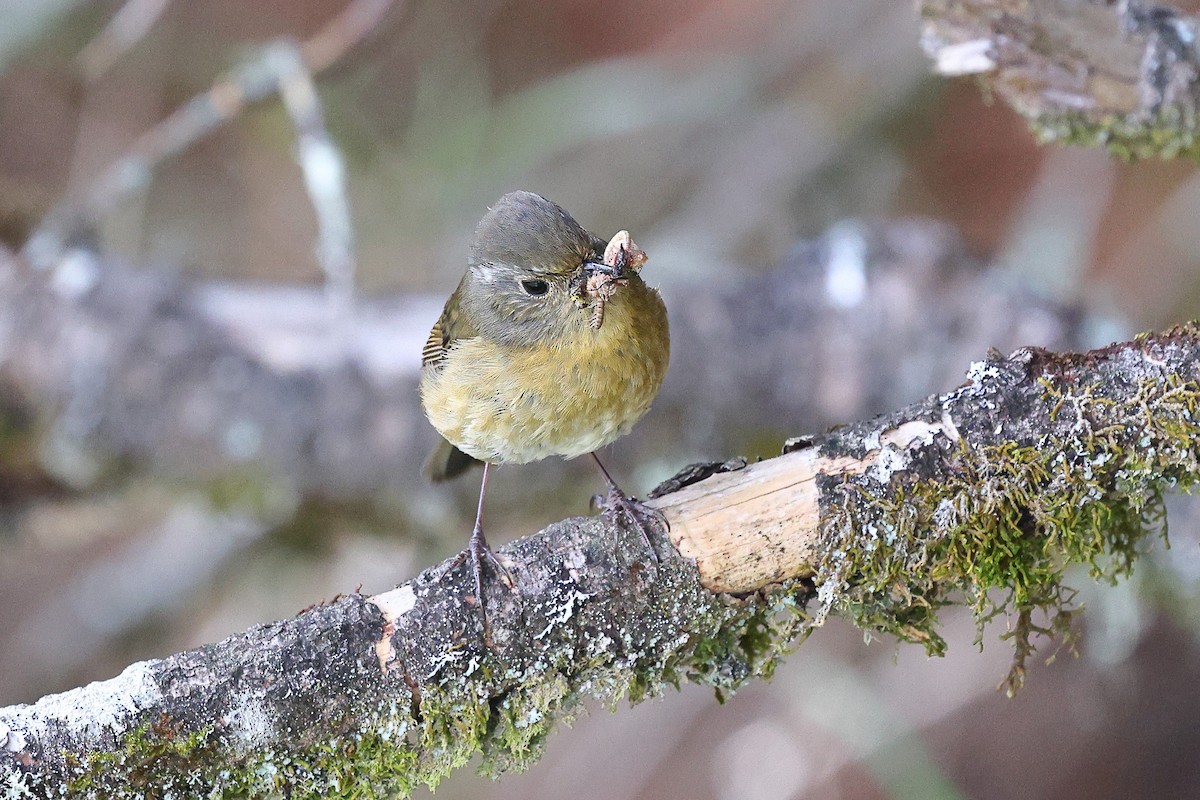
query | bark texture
(982,494)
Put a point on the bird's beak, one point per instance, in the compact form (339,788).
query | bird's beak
(591,268)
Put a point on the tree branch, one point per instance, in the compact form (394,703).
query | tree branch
(1037,461)
(1125,75)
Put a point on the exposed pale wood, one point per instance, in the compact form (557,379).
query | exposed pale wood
(761,525)
(752,527)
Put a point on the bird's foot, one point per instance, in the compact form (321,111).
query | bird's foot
(641,516)
(480,553)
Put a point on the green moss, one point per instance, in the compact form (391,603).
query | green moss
(1165,135)
(1002,529)
(146,752)
(153,762)
(391,753)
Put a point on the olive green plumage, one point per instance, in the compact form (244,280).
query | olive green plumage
(515,369)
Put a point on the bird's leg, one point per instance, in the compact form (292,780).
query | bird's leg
(641,515)
(479,551)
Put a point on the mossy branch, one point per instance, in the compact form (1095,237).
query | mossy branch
(1125,76)
(985,494)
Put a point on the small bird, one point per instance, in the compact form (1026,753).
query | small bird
(552,345)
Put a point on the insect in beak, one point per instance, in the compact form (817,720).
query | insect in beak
(621,259)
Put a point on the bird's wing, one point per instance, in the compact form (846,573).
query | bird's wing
(450,328)
(435,347)
(446,461)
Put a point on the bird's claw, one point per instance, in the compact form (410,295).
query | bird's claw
(640,515)
(479,552)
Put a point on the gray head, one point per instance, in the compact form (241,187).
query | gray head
(529,262)
(525,229)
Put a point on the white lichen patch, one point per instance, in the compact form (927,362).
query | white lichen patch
(12,741)
(887,463)
(980,376)
(394,725)
(831,584)
(89,712)
(249,722)
(566,612)
(945,516)
(13,784)
(980,372)
(445,659)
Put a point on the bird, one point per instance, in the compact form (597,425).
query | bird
(552,345)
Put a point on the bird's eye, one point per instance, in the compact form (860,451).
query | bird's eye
(535,287)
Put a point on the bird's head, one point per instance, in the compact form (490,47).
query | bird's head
(534,272)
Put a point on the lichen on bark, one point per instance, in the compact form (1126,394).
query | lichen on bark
(593,622)
(1043,462)
(986,494)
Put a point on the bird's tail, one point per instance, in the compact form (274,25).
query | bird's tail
(446,462)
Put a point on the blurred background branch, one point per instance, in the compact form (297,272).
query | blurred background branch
(281,69)
(1124,75)
(836,233)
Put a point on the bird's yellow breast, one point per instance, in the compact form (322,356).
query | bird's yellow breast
(570,396)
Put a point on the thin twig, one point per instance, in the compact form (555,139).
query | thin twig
(201,115)
(324,178)
(126,28)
